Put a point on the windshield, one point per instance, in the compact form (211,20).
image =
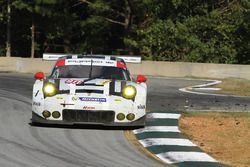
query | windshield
(83,71)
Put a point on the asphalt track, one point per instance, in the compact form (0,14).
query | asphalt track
(24,145)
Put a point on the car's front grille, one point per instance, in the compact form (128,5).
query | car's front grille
(88,116)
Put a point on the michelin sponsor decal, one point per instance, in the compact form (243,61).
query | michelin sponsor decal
(95,99)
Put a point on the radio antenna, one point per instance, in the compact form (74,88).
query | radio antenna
(91,64)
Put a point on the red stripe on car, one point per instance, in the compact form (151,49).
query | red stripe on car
(120,64)
(60,63)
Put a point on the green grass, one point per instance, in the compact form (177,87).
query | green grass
(235,86)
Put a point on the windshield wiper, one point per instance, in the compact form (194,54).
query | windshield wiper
(100,77)
(89,79)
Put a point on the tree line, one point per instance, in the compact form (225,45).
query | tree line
(213,31)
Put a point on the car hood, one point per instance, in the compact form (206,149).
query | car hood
(83,85)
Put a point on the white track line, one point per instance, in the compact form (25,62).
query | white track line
(201,93)
(216,89)
(163,115)
(212,82)
(177,157)
(210,94)
(166,141)
(157,129)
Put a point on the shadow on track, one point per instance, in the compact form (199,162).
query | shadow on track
(85,126)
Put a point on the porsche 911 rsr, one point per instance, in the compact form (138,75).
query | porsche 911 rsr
(89,90)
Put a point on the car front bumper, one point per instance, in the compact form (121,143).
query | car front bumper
(36,119)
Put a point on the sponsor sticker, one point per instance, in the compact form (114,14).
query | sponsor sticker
(64,104)
(74,98)
(105,82)
(36,103)
(95,99)
(73,81)
(85,61)
(88,108)
(118,100)
(141,107)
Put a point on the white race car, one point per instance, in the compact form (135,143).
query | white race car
(89,89)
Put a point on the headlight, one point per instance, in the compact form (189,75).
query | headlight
(49,89)
(129,92)
(56,114)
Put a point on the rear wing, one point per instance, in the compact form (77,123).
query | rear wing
(126,58)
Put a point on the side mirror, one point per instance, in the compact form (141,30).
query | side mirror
(39,75)
(141,78)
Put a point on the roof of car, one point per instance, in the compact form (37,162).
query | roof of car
(121,58)
(93,57)
(96,60)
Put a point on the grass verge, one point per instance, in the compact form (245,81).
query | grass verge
(235,86)
(225,136)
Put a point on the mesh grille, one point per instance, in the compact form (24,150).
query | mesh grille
(88,116)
